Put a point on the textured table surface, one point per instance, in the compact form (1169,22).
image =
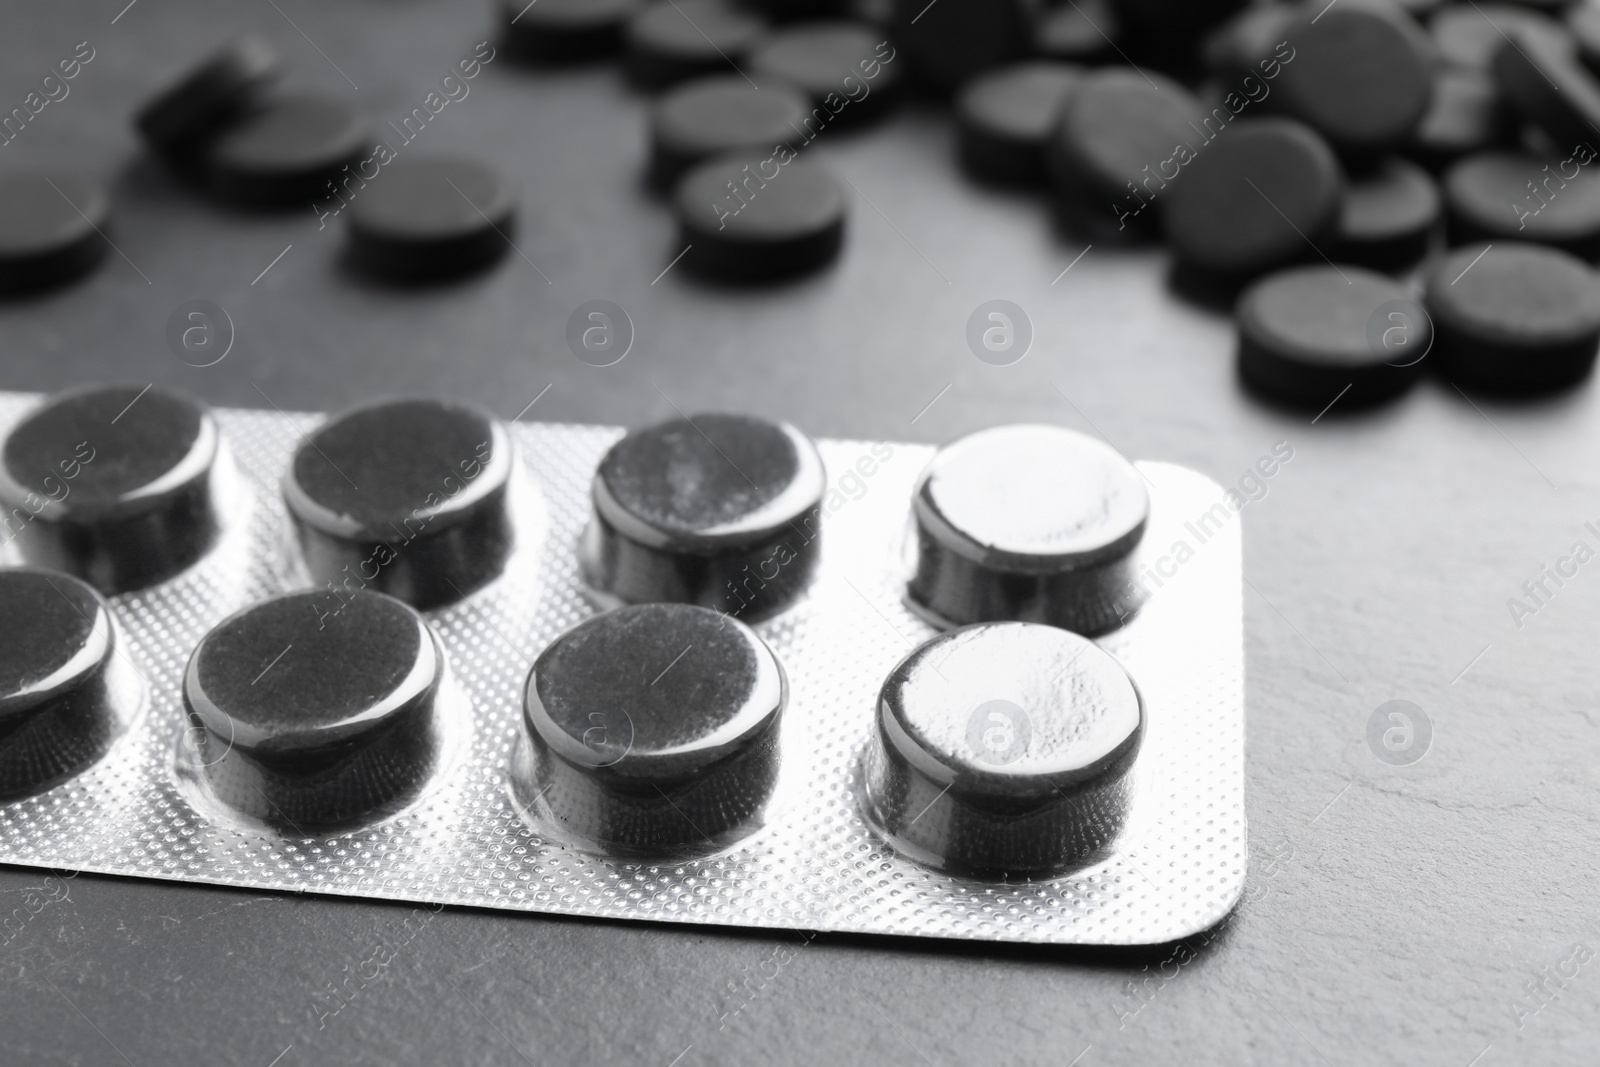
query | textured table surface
(1395,914)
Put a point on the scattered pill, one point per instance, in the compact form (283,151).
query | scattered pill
(564,31)
(1388,216)
(431,218)
(757,217)
(1468,35)
(1466,114)
(1004,749)
(113,484)
(717,114)
(1521,197)
(1514,318)
(228,85)
(289,153)
(670,41)
(1252,42)
(654,729)
(52,230)
(722,511)
(1005,118)
(1085,31)
(839,65)
(1548,86)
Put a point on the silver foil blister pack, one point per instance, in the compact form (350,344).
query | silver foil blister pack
(1177,866)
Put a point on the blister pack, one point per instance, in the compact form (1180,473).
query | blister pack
(707,672)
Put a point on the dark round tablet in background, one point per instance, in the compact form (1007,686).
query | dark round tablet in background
(948,42)
(230,83)
(564,31)
(1267,193)
(1466,114)
(1517,318)
(1306,337)
(428,219)
(408,497)
(314,720)
(1106,154)
(717,114)
(722,511)
(1468,35)
(754,218)
(113,484)
(62,695)
(670,41)
(1361,76)
(1548,86)
(51,230)
(1517,196)
(289,153)
(1004,749)
(1084,31)
(1388,216)
(1005,118)
(1241,45)
(830,62)
(654,729)
(1031,524)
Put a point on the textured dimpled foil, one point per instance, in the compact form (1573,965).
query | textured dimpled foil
(1177,868)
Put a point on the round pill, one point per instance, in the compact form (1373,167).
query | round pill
(722,511)
(1466,114)
(1514,318)
(1081,32)
(1252,42)
(288,153)
(1004,749)
(1028,524)
(673,40)
(1517,196)
(314,719)
(949,41)
(1469,35)
(1307,336)
(435,218)
(1266,194)
(63,693)
(753,218)
(51,229)
(1548,86)
(829,61)
(230,83)
(1106,154)
(1388,216)
(654,729)
(563,31)
(1005,118)
(1361,76)
(408,497)
(113,484)
(717,114)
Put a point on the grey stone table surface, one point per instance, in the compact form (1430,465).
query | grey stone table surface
(1442,912)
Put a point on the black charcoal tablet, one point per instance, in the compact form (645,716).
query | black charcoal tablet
(1516,318)
(431,218)
(722,511)
(315,719)
(51,230)
(654,730)
(1085,31)
(1517,196)
(230,83)
(717,114)
(63,693)
(1028,524)
(755,218)
(1004,749)
(1548,86)
(1468,35)
(113,484)
(1466,114)
(1253,42)
(1005,118)
(1307,336)
(289,153)
(1388,216)
(1266,194)
(565,31)
(1361,76)
(830,62)
(1122,138)
(673,40)
(949,41)
(408,497)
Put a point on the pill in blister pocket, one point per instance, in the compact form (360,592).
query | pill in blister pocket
(1027,523)
(654,728)
(716,510)
(113,484)
(1004,749)
(61,700)
(314,718)
(408,497)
